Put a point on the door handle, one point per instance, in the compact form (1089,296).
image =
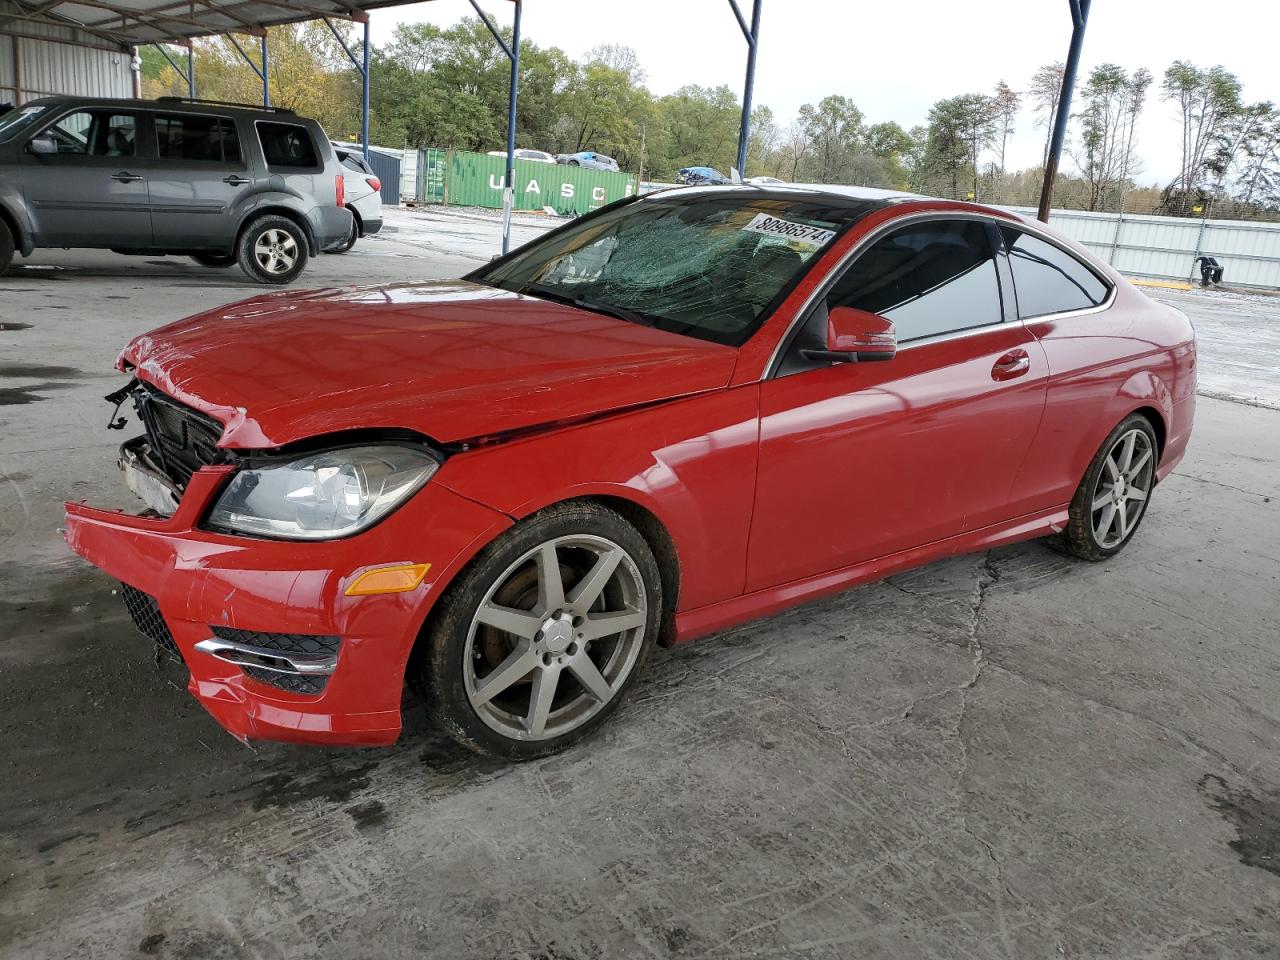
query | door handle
(236,181)
(125,176)
(1013,364)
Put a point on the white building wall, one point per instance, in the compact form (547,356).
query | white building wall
(33,67)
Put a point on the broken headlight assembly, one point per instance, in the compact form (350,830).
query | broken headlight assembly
(322,496)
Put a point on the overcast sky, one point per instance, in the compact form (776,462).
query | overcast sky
(894,59)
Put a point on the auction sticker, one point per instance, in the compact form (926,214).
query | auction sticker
(798,232)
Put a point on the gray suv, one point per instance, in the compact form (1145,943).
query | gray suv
(222,183)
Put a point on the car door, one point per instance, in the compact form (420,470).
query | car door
(862,460)
(84,176)
(201,175)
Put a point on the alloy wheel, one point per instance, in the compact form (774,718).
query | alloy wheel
(555,637)
(276,251)
(1124,484)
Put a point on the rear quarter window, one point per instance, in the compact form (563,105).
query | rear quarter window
(1048,279)
(288,146)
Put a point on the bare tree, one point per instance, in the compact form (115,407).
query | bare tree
(1044,90)
(1005,104)
(1112,102)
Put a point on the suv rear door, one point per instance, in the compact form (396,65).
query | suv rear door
(202,173)
(91,191)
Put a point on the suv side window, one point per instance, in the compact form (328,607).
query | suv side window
(287,146)
(928,278)
(200,139)
(94,133)
(1048,279)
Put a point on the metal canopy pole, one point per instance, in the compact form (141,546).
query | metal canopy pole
(266,74)
(364,96)
(1079,19)
(752,35)
(187,75)
(262,73)
(362,67)
(191,71)
(513,54)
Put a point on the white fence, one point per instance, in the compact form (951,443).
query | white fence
(1165,248)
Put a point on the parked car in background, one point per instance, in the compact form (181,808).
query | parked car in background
(588,159)
(681,412)
(537,156)
(223,183)
(763,181)
(693,176)
(363,195)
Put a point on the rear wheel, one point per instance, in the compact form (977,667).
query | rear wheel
(352,236)
(214,259)
(272,249)
(6,247)
(1113,496)
(539,640)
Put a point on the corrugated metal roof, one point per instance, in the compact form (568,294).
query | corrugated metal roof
(130,22)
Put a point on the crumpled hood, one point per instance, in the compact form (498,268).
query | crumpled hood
(449,359)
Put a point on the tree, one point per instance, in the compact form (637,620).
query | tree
(1044,90)
(1005,104)
(976,114)
(1207,101)
(762,145)
(1260,168)
(946,151)
(834,129)
(1111,103)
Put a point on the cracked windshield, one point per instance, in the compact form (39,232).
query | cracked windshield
(708,267)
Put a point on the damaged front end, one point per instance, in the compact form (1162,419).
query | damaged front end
(176,442)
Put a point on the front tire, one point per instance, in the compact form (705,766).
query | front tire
(543,635)
(1112,498)
(272,249)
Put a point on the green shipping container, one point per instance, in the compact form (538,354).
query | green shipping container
(477,180)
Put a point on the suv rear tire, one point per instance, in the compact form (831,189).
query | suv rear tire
(6,247)
(272,249)
(352,237)
(214,259)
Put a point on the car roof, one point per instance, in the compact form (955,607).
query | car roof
(789,191)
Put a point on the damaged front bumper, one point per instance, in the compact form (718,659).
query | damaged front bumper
(275,648)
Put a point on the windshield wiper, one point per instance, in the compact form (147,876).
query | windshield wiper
(559,296)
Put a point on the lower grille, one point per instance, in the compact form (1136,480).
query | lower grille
(293,682)
(149,620)
(296,662)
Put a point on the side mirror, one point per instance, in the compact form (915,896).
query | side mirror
(42,146)
(856,336)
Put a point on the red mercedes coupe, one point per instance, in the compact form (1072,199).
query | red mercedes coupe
(678,413)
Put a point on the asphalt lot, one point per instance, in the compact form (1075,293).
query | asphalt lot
(1014,755)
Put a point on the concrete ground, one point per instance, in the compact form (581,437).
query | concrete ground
(1014,755)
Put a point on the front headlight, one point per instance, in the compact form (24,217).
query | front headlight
(322,495)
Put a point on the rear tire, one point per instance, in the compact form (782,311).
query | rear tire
(214,259)
(6,247)
(1112,498)
(272,249)
(350,242)
(564,606)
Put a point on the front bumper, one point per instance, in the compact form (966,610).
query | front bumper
(201,580)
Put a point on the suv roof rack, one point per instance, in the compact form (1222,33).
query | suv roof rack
(225,103)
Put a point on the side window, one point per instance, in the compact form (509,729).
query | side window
(1048,279)
(287,146)
(94,133)
(929,278)
(201,139)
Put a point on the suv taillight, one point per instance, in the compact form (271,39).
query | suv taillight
(340,189)
(374,182)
